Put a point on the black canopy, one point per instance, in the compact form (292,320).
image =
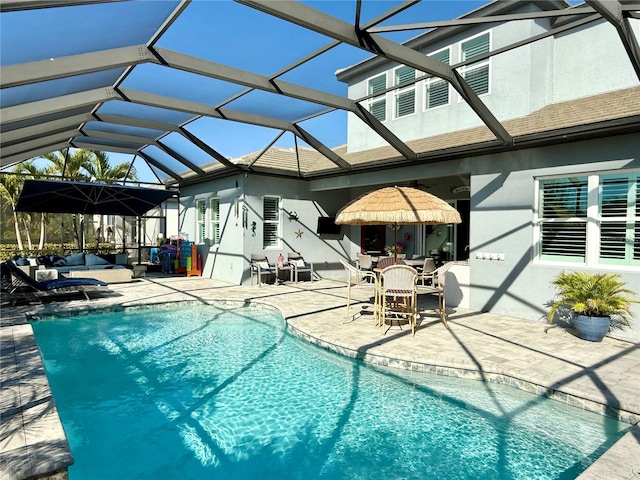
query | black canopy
(57,196)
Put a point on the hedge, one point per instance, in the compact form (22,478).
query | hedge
(8,251)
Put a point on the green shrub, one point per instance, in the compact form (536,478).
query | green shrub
(8,251)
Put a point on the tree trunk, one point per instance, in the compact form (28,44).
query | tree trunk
(16,224)
(42,232)
(27,231)
(76,232)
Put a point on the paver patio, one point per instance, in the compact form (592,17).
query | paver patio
(530,355)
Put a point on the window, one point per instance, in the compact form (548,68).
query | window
(271,220)
(476,74)
(619,211)
(594,220)
(378,105)
(201,230)
(404,97)
(563,222)
(436,89)
(214,205)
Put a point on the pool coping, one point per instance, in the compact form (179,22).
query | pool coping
(55,457)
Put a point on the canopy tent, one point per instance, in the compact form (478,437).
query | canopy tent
(55,196)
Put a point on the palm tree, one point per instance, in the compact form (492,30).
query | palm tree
(10,187)
(97,167)
(33,171)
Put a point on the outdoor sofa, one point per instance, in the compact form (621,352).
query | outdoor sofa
(110,268)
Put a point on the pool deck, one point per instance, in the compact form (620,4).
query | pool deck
(533,356)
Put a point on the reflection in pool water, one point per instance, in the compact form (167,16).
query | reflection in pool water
(226,393)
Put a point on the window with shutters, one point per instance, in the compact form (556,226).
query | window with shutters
(477,73)
(619,215)
(437,90)
(214,204)
(404,98)
(593,220)
(271,222)
(201,207)
(378,105)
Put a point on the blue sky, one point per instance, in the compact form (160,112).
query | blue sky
(272,51)
(240,37)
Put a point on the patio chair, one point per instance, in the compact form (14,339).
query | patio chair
(364,262)
(360,277)
(424,279)
(398,297)
(384,262)
(300,265)
(435,282)
(260,267)
(21,286)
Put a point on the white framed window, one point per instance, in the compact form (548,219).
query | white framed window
(214,209)
(404,98)
(477,73)
(436,90)
(619,216)
(592,220)
(201,215)
(378,105)
(271,222)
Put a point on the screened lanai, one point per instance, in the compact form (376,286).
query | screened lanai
(190,90)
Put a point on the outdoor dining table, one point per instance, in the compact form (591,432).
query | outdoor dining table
(416,262)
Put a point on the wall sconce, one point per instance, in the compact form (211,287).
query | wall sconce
(293,216)
(253,229)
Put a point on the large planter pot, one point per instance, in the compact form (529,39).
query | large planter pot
(592,328)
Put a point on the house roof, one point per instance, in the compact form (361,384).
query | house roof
(186,87)
(587,116)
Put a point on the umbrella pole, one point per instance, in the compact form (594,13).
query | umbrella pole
(395,243)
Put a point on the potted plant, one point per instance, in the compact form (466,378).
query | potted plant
(594,299)
(397,249)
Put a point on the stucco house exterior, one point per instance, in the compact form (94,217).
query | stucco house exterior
(567,198)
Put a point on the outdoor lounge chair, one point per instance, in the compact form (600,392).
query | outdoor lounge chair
(435,282)
(398,295)
(300,265)
(21,286)
(260,267)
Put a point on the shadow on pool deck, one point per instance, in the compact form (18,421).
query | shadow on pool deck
(529,355)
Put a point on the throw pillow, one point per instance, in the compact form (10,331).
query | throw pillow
(299,263)
(91,259)
(45,260)
(263,265)
(59,262)
(75,259)
(21,261)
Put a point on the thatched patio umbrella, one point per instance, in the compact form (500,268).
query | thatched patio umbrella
(397,206)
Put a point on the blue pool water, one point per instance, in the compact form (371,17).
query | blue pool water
(204,392)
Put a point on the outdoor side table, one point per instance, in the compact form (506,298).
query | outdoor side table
(284,267)
(139,271)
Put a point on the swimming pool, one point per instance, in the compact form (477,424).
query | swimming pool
(226,393)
